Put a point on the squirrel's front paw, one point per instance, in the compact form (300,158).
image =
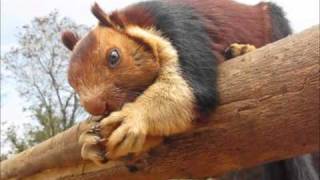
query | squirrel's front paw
(93,143)
(130,135)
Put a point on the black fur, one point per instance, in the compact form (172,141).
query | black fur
(299,168)
(187,34)
(280,24)
(132,168)
(228,54)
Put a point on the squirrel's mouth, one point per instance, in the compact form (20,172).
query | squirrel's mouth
(99,118)
(106,114)
(116,105)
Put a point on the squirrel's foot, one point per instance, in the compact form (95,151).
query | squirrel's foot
(93,145)
(236,49)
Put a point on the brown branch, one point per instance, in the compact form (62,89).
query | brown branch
(269,111)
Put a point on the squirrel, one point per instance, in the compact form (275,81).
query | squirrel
(151,68)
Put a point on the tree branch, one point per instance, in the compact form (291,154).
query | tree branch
(42,96)
(74,109)
(269,111)
(57,91)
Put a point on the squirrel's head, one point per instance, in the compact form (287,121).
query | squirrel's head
(109,66)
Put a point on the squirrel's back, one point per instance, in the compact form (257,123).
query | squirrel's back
(225,21)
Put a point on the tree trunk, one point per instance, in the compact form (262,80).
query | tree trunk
(269,111)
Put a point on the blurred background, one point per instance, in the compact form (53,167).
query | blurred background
(36,100)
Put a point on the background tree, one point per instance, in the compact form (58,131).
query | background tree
(38,66)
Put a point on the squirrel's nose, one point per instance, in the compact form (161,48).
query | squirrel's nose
(95,107)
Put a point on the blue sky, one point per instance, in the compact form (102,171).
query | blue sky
(15,13)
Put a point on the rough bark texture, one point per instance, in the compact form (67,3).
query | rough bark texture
(269,111)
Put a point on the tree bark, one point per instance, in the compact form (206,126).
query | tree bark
(269,111)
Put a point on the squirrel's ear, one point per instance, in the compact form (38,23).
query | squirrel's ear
(101,15)
(149,38)
(69,39)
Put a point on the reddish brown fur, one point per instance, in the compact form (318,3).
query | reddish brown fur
(69,39)
(230,22)
(101,88)
(133,15)
(101,15)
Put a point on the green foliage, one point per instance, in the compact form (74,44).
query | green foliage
(38,65)
(19,144)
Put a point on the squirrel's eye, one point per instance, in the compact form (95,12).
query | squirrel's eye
(113,58)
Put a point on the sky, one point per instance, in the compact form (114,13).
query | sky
(16,13)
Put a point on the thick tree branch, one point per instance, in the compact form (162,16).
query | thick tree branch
(269,111)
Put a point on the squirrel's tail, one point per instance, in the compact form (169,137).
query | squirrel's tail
(299,168)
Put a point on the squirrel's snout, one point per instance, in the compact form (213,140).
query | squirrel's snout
(95,107)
